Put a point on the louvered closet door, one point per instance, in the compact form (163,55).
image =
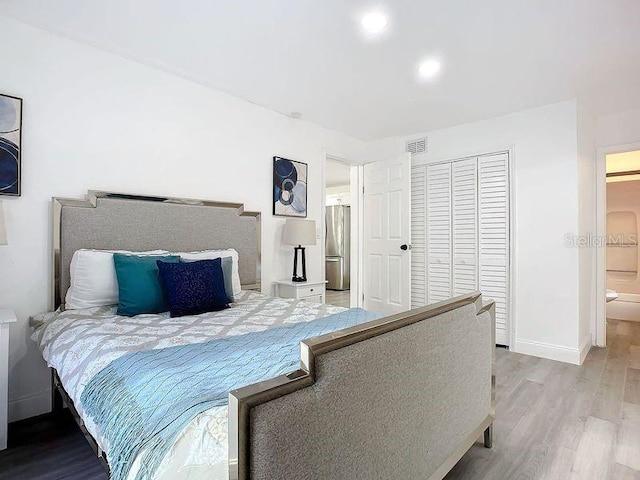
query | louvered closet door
(438,232)
(465,226)
(418,236)
(493,228)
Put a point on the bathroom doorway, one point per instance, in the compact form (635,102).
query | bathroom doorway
(622,259)
(617,232)
(341,228)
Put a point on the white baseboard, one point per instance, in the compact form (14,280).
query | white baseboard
(584,348)
(547,350)
(30,405)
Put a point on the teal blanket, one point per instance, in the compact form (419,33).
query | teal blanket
(143,400)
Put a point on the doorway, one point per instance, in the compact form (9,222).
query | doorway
(618,259)
(623,211)
(341,232)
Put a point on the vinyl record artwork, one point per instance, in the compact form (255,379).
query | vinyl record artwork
(289,188)
(10,143)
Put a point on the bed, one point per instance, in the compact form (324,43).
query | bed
(425,376)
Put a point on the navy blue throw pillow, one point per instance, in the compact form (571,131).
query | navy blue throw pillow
(193,288)
(227,266)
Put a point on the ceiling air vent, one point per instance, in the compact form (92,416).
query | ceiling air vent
(417,146)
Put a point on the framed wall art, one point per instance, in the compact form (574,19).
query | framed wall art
(10,144)
(289,188)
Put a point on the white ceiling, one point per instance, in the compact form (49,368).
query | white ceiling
(306,56)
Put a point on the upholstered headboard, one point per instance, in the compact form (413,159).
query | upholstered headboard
(113,221)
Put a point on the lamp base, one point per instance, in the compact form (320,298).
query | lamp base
(296,277)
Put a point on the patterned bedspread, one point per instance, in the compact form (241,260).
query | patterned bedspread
(80,343)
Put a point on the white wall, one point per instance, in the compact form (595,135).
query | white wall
(545,183)
(618,128)
(586,143)
(96,121)
(383,150)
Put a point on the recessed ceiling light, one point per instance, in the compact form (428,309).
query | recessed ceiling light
(429,68)
(374,22)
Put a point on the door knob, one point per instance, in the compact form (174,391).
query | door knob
(405,247)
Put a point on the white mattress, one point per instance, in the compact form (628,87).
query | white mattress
(80,343)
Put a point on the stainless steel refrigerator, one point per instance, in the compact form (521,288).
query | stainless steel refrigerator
(338,247)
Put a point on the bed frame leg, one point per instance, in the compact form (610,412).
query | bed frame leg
(57,403)
(488,437)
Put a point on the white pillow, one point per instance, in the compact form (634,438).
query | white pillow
(213,254)
(93,278)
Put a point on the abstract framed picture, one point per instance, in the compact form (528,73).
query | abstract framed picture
(10,144)
(289,188)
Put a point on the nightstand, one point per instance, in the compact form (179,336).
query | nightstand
(6,317)
(311,291)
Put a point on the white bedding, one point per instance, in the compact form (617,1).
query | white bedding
(79,343)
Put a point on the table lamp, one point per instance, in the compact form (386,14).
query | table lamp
(299,232)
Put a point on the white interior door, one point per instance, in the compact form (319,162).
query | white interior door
(464,185)
(493,229)
(418,236)
(438,232)
(460,231)
(387,232)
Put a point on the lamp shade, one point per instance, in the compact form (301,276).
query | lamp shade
(3,228)
(299,232)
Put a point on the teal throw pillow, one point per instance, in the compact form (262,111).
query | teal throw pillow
(139,287)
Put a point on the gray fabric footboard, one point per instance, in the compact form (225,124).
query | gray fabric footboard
(400,397)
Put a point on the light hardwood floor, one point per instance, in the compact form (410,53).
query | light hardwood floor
(556,421)
(338,298)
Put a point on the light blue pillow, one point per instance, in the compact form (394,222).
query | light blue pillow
(227,268)
(139,287)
